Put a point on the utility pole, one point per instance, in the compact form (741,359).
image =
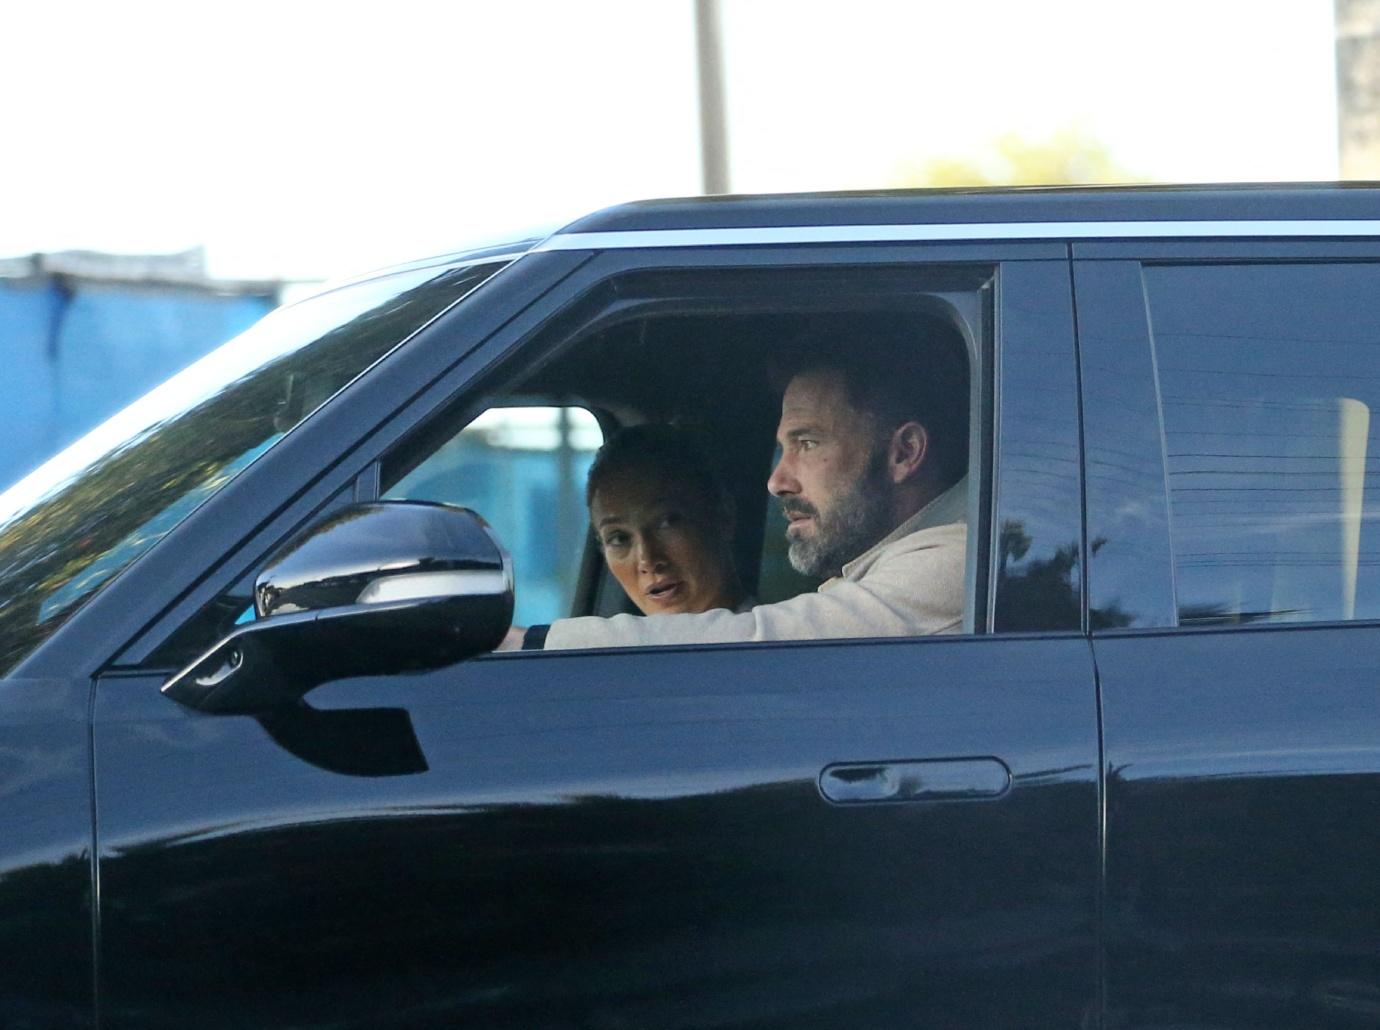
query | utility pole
(709,63)
(1358,87)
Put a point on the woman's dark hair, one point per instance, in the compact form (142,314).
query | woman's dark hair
(668,451)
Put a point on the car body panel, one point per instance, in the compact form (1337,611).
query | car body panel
(1242,764)
(604,838)
(46,862)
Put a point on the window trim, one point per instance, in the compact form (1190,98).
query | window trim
(962,231)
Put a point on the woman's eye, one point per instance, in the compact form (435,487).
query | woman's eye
(615,542)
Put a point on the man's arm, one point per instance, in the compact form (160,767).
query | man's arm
(913,589)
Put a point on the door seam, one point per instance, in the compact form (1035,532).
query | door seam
(1085,617)
(95,859)
(1101,906)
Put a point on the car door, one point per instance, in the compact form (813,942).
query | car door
(46,863)
(69,528)
(1231,450)
(815,833)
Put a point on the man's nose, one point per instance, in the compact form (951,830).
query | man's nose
(782,479)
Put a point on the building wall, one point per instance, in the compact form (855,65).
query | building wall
(78,351)
(28,383)
(1358,87)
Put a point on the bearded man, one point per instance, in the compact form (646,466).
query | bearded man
(871,480)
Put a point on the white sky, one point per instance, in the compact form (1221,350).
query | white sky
(313,139)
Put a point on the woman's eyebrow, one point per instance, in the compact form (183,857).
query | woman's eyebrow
(668,501)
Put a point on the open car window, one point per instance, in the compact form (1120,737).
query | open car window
(711,366)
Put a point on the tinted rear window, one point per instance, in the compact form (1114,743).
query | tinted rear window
(1269,376)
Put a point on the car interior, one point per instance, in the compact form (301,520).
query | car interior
(706,352)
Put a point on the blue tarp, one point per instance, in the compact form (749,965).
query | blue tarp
(76,352)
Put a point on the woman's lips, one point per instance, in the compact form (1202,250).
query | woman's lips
(666,592)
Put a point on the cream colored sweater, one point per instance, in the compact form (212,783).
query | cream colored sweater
(909,584)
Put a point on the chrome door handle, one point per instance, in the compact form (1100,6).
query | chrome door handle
(930,779)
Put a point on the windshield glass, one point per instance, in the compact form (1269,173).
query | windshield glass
(70,526)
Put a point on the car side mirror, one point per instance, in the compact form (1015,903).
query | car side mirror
(372,590)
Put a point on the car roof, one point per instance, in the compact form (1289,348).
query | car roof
(1030,212)
(1235,202)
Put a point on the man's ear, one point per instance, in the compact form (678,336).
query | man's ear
(910,443)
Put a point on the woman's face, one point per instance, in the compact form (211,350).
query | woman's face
(664,544)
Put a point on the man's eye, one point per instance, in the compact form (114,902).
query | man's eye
(806,444)
(671,518)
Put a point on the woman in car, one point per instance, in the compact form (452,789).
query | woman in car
(664,522)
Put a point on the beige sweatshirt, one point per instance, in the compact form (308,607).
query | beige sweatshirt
(909,584)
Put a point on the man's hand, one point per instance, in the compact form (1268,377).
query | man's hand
(512,640)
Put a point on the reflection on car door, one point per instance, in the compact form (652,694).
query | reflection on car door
(1242,744)
(614,839)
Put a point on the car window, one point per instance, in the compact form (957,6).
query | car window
(524,468)
(684,519)
(68,528)
(1269,377)
(519,444)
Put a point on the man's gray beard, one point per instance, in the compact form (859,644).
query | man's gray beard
(853,524)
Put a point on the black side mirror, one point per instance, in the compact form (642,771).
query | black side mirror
(375,589)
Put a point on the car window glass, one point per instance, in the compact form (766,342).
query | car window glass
(74,523)
(523,469)
(1269,376)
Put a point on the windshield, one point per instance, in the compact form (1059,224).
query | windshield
(70,526)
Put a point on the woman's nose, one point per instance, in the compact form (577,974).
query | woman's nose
(649,554)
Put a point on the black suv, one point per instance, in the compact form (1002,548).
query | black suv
(253,774)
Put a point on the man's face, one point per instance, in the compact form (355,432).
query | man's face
(831,477)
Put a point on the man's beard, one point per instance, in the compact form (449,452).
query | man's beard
(856,521)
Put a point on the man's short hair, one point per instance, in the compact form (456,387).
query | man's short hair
(897,368)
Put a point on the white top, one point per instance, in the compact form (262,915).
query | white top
(908,584)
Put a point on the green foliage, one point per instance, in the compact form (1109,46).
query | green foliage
(1069,156)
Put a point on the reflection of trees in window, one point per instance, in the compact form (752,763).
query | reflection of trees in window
(1224,614)
(116,502)
(1042,594)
